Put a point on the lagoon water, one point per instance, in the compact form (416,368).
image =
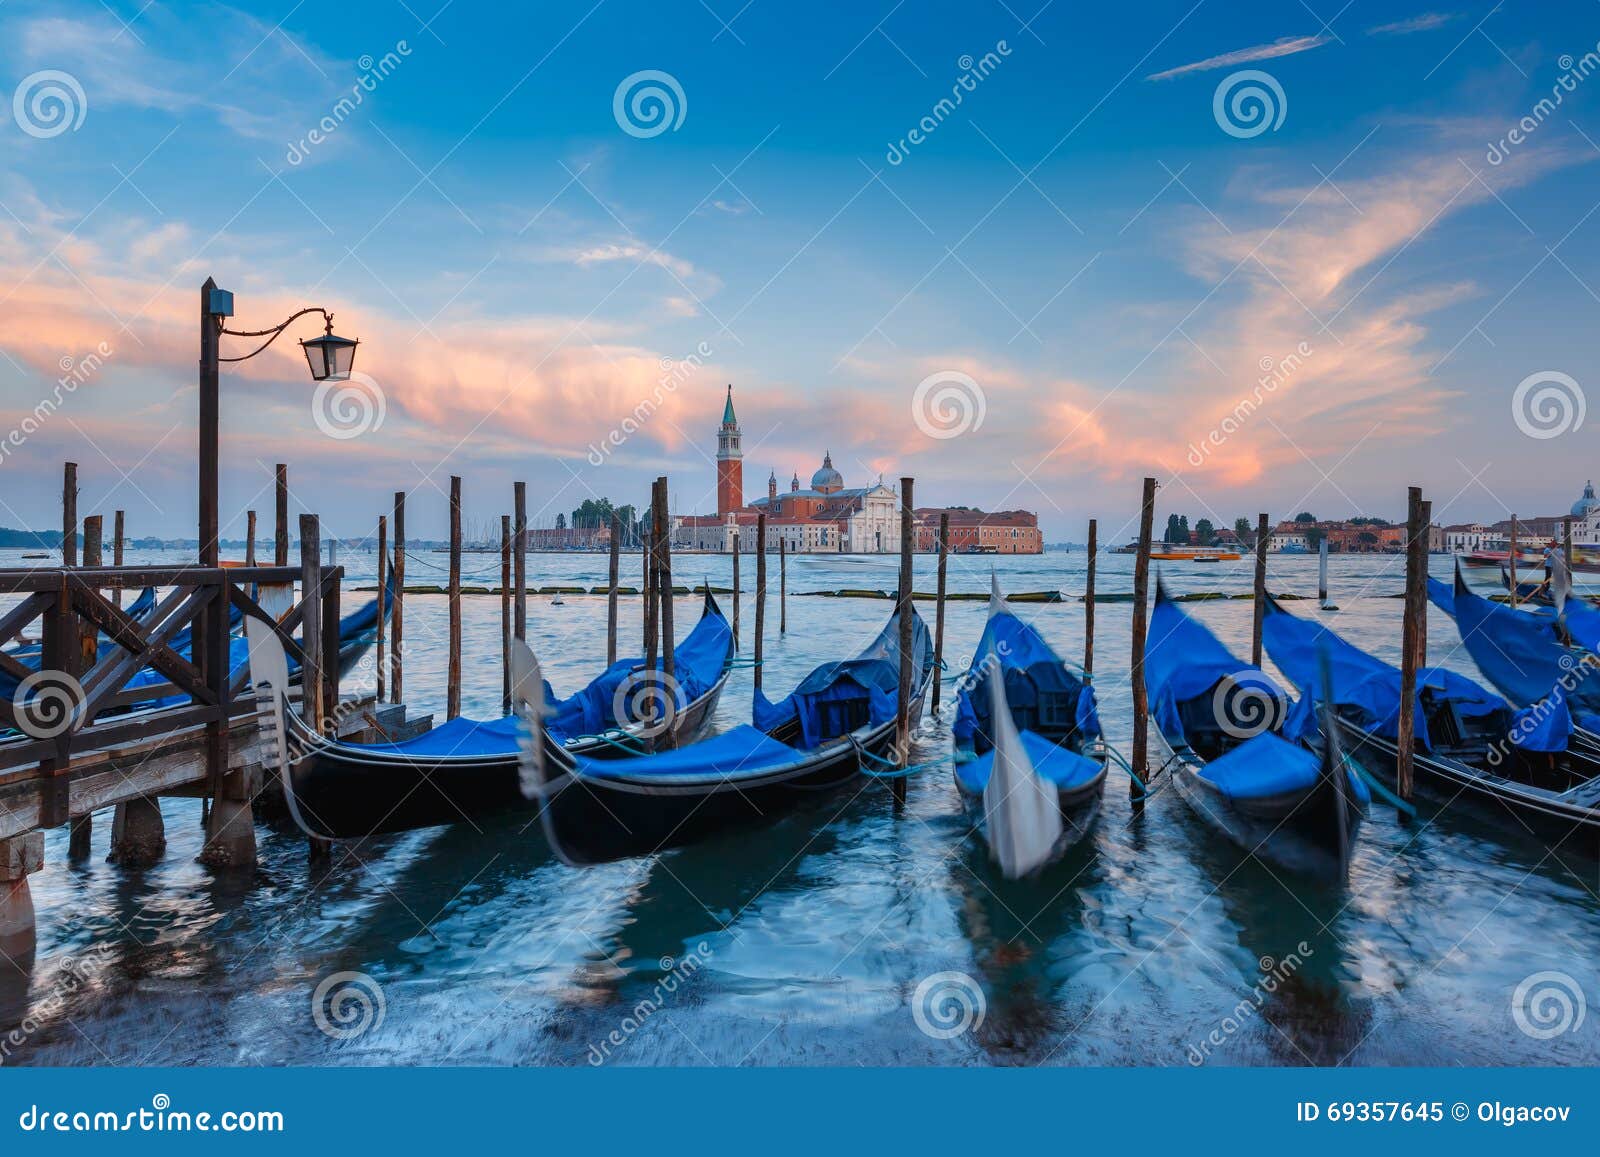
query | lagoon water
(822,939)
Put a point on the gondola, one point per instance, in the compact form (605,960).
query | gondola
(466,769)
(1220,731)
(1524,654)
(1470,745)
(1029,753)
(815,740)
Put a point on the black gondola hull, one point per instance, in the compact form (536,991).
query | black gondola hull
(345,792)
(1561,821)
(1301,831)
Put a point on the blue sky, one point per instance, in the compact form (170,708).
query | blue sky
(1080,250)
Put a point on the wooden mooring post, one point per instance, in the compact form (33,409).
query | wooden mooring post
(138,834)
(783,585)
(519,548)
(1415,607)
(1088,598)
(1512,562)
(118,537)
(397,617)
(761,594)
(249,538)
(383,603)
(663,549)
(280,508)
(1141,620)
(904,608)
(453,675)
(651,619)
(1259,614)
(505,614)
(611,590)
(88,651)
(69,514)
(313,707)
(938,607)
(736,545)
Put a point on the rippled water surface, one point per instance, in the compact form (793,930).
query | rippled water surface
(806,943)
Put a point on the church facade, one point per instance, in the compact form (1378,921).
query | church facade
(828,517)
(824,517)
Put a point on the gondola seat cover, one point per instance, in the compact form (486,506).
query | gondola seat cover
(698,663)
(1183,660)
(1020,651)
(744,751)
(1268,766)
(1062,767)
(459,737)
(1369,689)
(872,676)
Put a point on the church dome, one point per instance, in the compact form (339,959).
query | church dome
(1586,505)
(827,480)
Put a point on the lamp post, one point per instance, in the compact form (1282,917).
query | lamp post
(329,357)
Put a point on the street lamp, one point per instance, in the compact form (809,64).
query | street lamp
(330,358)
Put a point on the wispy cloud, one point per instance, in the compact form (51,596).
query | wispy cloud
(1288,46)
(1427,22)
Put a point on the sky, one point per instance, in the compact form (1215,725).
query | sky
(1280,256)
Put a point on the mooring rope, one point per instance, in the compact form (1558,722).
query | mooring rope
(1382,792)
(889,770)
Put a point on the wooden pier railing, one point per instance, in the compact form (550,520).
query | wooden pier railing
(80,735)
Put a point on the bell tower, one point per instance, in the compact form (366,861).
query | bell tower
(730,461)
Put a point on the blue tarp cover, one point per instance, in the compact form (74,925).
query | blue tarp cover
(742,751)
(1519,653)
(1371,688)
(698,660)
(1020,649)
(459,736)
(1266,766)
(1583,624)
(1184,660)
(875,673)
(1066,769)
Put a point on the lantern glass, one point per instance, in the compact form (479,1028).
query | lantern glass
(330,357)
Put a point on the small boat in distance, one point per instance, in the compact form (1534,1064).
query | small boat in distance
(1166,552)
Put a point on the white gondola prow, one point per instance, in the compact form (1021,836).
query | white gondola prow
(997,601)
(527,700)
(1022,815)
(269,678)
(1560,581)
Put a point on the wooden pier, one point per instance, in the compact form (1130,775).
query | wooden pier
(85,740)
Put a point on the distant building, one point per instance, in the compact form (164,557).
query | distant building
(827,516)
(979,532)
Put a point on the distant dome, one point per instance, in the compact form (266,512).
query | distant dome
(1586,505)
(827,480)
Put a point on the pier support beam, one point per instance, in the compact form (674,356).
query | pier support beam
(138,836)
(20,857)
